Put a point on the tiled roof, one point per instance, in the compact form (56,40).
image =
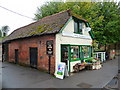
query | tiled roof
(47,25)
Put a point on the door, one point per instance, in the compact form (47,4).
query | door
(65,55)
(16,56)
(33,57)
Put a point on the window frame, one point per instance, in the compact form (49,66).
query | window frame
(81,56)
(88,52)
(79,30)
(78,21)
(78,52)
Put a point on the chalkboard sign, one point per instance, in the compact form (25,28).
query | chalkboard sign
(49,47)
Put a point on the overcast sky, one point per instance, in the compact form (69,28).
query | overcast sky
(24,7)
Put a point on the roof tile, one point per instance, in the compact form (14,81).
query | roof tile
(47,25)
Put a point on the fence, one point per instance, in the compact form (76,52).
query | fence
(100,55)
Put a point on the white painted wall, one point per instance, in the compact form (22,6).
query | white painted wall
(64,39)
(72,64)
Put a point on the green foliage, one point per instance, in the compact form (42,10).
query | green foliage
(1,38)
(91,60)
(48,9)
(0,33)
(4,30)
(106,28)
(104,17)
(100,50)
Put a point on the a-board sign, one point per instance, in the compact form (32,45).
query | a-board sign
(61,70)
(49,47)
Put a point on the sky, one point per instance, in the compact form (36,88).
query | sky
(24,7)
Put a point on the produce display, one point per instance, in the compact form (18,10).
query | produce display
(89,64)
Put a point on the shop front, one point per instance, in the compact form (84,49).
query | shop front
(72,54)
(73,44)
(58,42)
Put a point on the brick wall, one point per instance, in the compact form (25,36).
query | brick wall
(23,46)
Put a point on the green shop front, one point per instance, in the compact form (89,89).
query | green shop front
(72,54)
(73,43)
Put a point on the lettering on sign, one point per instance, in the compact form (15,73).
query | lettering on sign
(49,47)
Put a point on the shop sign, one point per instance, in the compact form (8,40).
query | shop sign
(49,47)
(60,70)
(75,35)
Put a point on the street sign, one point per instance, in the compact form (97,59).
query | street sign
(49,51)
(49,47)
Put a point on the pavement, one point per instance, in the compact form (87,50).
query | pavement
(113,83)
(16,76)
(0,52)
(0,67)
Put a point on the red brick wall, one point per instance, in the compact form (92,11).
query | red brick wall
(23,46)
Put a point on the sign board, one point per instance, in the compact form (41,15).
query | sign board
(75,35)
(49,47)
(61,70)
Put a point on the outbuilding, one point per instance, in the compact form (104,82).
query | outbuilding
(62,37)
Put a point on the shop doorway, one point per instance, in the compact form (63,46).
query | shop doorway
(33,57)
(16,56)
(65,55)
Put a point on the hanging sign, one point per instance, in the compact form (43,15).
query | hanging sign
(49,47)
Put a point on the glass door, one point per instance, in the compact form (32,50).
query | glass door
(65,55)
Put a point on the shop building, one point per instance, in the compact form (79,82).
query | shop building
(62,37)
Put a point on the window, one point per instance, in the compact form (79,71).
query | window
(75,52)
(86,51)
(64,53)
(77,27)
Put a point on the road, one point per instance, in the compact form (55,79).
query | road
(0,52)
(15,76)
(0,67)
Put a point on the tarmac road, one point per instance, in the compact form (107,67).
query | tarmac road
(15,76)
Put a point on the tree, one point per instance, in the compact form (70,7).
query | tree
(106,29)
(104,17)
(48,9)
(0,33)
(4,30)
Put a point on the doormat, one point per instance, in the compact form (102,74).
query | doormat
(84,85)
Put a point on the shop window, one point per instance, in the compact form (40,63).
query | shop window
(75,52)
(86,55)
(86,51)
(85,48)
(64,53)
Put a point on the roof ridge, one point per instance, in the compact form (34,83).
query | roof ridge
(46,25)
(68,10)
